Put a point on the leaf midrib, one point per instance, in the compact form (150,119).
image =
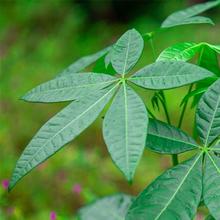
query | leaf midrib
(182,182)
(126,55)
(212,120)
(181,141)
(126,127)
(90,107)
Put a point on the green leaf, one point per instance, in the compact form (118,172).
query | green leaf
(209,217)
(60,130)
(173,195)
(180,52)
(84,62)
(188,15)
(197,91)
(211,184)
(167,139)
(127,51)
(187,50)
(108,208)
(169,74)
(69,87)
(208,58)
(208,114)
(125,129)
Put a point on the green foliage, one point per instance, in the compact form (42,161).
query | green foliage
(127,129)
(109,208)
(166,139)
(189,15)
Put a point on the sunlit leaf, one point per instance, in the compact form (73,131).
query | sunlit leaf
(169,74)
(60,130)
(180,52)
(69,87)
(127,51)
(108,208)
(189,15)
(167,139)
(173,195)
(125,129)
(208,114)
(211,184)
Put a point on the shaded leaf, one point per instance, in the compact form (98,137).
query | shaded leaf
(69,87)
(188,15)
(84,62)
(211,184)
(60,130)
(125,129)
(173,195)
(169,74)
(208,114)
(209,217)
(127,51)
(109,208)
(166,139)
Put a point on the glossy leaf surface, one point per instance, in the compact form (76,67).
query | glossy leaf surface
(60,130)
(208,114)
(108,208)
(173,195)
(127,51)
(169,74)
(125,129)
(167,139)
(69,87)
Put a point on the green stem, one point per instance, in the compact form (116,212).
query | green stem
(175,159)
(153,48)
(164,104)
(184,108)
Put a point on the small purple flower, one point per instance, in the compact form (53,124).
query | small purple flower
(5,184)
(53,215)
(77,189)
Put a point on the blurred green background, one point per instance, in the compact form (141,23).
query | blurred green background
(39,38)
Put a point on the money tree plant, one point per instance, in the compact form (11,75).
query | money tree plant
(129,127)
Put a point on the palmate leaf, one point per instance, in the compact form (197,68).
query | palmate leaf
(108,208)
(173,195)
(69,87)
(189,15)
(60,130)
(125,129)
(169,74)
(167,139)
(84,62)
(208,114)
(211,184)
(126,51)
